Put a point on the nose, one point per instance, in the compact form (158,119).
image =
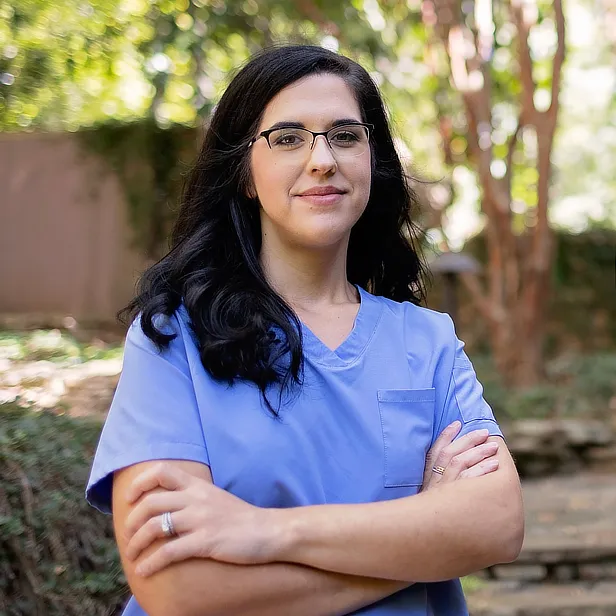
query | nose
(321,156)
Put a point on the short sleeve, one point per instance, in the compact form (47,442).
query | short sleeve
(154,413)
(464,400)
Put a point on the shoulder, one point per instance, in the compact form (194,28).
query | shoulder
(427,337)
(437,327)
(173,331)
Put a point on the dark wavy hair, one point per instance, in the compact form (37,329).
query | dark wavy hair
(213,266)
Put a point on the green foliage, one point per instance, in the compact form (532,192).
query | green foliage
(472,583)
(69,64)
(57,555)
(66,64)
(61,61)
(581,316)
(583,286)
(53,345)
(577,386)
(149,161)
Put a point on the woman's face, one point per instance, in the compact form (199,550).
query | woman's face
(283,174)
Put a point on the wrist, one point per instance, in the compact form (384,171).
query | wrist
(284,535)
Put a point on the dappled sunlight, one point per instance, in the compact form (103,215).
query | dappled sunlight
(44,368)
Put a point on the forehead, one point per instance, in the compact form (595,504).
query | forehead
(315,101)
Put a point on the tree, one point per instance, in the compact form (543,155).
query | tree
(470,84)
(67,64)
(513,167)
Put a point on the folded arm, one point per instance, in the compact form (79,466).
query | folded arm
(203,587)
(447,532)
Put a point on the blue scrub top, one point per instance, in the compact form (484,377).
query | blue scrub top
(358,431)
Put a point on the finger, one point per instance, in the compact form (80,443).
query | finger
(468,459)
(151,531)
(161,475)
(444,439)
(152,505)
(173,551)
(483,468)
(464,443)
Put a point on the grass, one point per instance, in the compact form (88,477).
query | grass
(55,346)
(472,583)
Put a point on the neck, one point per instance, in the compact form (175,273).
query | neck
(308,279)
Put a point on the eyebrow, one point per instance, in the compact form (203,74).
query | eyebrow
(295,124)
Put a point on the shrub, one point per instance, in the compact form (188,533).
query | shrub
(57,554)
(576,386)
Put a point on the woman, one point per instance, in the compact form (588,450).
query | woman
(282,437)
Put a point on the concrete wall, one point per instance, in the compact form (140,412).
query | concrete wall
(64,235)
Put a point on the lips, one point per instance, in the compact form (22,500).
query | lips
(322,191)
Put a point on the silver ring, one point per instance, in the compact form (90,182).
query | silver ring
(438,469)
(167,525)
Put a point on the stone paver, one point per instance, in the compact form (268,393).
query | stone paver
(568,563)
(546,600)
(570,519)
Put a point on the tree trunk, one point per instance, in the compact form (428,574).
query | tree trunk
(515,294)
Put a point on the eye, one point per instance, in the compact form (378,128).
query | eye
(346,137)
(287,139)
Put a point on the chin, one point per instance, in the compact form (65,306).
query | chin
(322,237)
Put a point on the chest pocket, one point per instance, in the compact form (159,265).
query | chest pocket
(407,419)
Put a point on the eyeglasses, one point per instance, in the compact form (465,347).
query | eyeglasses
(346,140)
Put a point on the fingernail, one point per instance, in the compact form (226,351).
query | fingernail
(456,425)
(493,464)
(484,432)
(140,571)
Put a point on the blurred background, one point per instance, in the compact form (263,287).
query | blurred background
(504,113)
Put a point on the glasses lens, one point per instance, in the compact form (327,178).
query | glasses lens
(290,140)
(349,140)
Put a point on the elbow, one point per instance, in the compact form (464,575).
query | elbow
(511,535)
(512,546)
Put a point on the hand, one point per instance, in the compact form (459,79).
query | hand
(469,456)
(209,522)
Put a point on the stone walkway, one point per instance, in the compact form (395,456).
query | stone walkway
(568,563)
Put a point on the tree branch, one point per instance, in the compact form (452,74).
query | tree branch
(559,58)
(510,150)
(526,66)
(541,251)
(489,310)
(545,139)
(310,10)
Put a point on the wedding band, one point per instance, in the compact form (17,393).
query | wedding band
(167,525)
(438,469)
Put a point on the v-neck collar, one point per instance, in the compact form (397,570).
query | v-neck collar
(353,346)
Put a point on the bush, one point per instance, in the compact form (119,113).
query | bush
(576,386)
(57,555)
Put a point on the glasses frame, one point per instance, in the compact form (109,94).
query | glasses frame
(266,133)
